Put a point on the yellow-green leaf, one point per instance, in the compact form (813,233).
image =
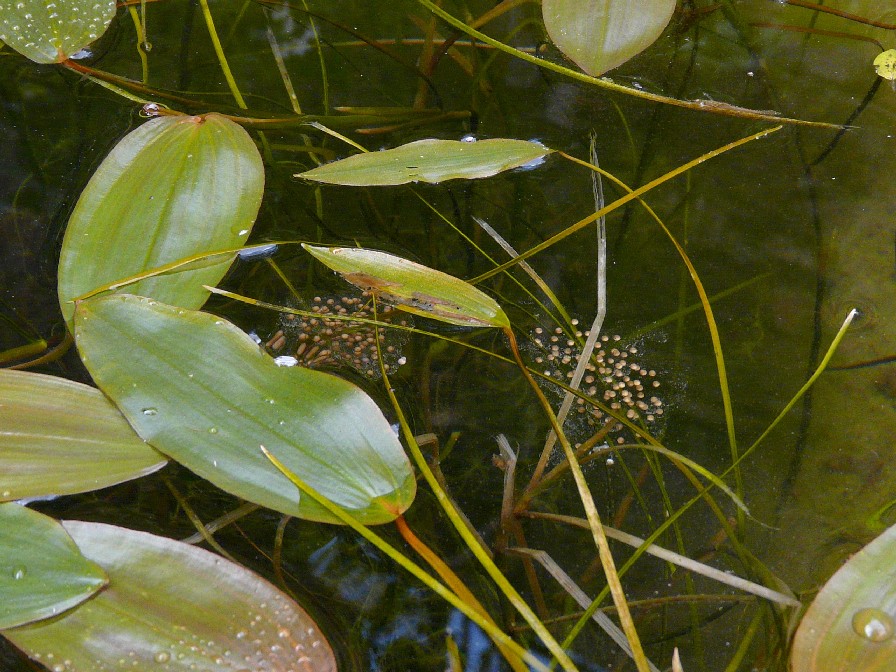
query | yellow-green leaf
(58,437)
(851,623)
(413,287)
(599,35)
(203,392)
(885,64)
(42,572)
(172,606)
(175,187)
(50,31)
(429,161)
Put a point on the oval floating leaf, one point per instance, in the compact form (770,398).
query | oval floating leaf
(413,287)
(50,31)
(598,35)
(58,437)
(885,64)
(202,392)
(172,606)
(173,188)
(851,624)
(429,161)
(42,572)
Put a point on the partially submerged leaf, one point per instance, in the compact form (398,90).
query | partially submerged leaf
(58,437)
(202,392)
(598,35)
(851,624)
(172,606)
(42,572)
(51,31)
(177,186)
(430,161)
(413,287)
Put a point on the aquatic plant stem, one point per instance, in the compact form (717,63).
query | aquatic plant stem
(403,561)
(607,83)
(222,59)
(454,582)
(619,202)
(594,522)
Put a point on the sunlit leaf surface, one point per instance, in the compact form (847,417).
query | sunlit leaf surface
(59,437)
(50,31)
(598,35)
(42,572)
(429,161)
(201,391)
(885,64)
(173,188)
(171,607)
(851,624)
(413,287)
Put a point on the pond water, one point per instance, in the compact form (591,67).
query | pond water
(787,234)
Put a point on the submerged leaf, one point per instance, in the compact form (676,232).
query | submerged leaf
(58,437)
(201,391)
(51,31)
(42,572)
(172,606)
(413,287)
(175,187)
(598,35)
(430,161)
(851,624)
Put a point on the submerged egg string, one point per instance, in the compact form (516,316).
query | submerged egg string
(612,376)
(328,340)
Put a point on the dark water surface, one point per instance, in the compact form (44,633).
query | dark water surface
(787,233)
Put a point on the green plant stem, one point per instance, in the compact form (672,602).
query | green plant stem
(619,202)
(606,83)
(403,561)
(222,59)
(597,530)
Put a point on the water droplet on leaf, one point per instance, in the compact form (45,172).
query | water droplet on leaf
(873,624)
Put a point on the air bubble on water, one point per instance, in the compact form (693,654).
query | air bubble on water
(212,430)
(162,657)
(150,411)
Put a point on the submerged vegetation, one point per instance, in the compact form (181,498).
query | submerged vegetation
(318,262)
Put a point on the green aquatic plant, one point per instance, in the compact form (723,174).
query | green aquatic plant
(286,426)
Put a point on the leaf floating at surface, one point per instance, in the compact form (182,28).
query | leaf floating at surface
(51,31)
(413,287)
(599,35)
(172,606)
(175,187)
(58,437)
(430,161)
(851,624)
(201,391)
(885,64)
(42,572)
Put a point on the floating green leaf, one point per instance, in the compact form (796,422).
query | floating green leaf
(885,64)
(598,35)
(50,31)
(201,391)
(58,437)
(413,287)
(175,187)
(42,572)
(172,606)
(851,624)
(429,161)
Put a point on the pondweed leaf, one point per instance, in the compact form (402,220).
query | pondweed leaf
(599,35)
(58,437)
(42,572)
(172,606)
(851,623)
(175,187)
(51,31)
(413,287)
(429,161)
(204,393)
